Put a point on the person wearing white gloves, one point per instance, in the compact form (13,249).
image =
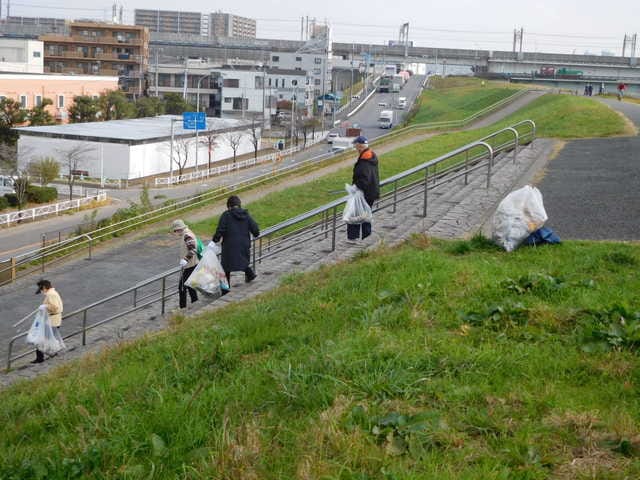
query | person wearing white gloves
(52,303)
(188,260)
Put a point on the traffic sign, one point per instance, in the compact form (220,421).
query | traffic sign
(194,121)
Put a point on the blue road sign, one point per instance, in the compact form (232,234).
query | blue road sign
(194,121)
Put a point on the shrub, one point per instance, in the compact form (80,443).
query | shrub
(12,199)
(4,203)
(41,194)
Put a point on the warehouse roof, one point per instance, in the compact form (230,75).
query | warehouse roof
(133,131)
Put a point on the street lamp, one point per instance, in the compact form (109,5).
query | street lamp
(198,111)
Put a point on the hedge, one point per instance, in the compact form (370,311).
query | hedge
(37,194)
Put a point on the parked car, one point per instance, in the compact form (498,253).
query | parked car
(332,136)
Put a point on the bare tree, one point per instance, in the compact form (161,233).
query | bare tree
(20,173)
(73,159)
(255,136)
(209,139)
(181,148)
(234,139)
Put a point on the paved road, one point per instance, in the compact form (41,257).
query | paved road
(23,238)
(590,189)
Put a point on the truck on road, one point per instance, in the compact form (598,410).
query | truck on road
(385,120)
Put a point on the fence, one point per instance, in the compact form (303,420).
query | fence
(53,209)
(231,167)
(320,222)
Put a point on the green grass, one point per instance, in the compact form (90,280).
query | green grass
(458,98)
(415,362)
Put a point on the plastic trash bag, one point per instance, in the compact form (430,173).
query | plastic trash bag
(519,214)
(357,210)
(43,336)
(208,276)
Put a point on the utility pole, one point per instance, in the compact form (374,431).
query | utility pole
(186,68)
(156,71)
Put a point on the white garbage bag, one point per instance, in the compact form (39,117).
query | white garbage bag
(357,210)
(43,336)
(519,214)
(208,276)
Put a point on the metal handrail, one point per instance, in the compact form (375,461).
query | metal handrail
(188,203)
(329,218)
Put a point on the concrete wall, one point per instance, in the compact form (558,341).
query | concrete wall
(121,161)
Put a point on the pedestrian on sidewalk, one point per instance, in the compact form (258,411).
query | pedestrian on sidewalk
(366,178)
(188,260)
(235,228)
(53,304)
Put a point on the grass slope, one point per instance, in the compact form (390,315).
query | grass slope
(459,98)
(448,360)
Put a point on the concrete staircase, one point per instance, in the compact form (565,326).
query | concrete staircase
(454,210)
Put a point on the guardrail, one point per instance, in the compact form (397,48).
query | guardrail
(231,167)
(12,268)
(52,209)
(323,221)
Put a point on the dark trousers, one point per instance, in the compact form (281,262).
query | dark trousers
(354,229)
(182,288)
(249,275)
(39,354)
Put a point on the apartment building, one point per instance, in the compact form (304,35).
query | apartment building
(317,68)
(231,26)
(169,21)
(95,48)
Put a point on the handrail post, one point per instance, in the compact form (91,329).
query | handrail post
(90,245)
(516,138)
(426,188)
(9,354)
(43,254)
(490,162)
(395,196)
(333,234)
(260,252)
(466,167)
(254,253)
(164,289)
(84,327)
(135,296)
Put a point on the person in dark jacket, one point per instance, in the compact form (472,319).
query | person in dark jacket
(366,178)
(235,229)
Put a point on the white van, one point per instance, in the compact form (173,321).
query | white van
(6,185)
(402,102)
(386,119)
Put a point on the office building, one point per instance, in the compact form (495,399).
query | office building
(21,55)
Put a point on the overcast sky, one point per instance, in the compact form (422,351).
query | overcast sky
(549,25)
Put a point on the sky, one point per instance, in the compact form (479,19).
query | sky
(587,26)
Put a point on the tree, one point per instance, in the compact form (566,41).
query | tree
(46,169)
(114,105)
(39,115)
(150,107)
(176,105)
(209,138)
(308,125)
(73,160)
(181,148)
(84,109)
(234,139)
(11,115)
(255,136)
(9,164)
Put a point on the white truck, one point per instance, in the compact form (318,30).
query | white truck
(385,120)
(397,81)
(402,102)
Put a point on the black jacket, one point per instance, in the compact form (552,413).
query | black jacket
(235,229)
(366,177)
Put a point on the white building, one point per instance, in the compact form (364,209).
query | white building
(18,55)
(246,90)
(317,68)
(130,149)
